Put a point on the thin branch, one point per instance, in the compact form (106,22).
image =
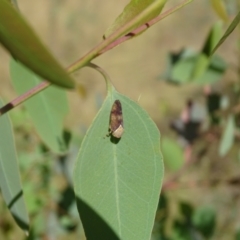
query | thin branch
(113,38)
(145,26)
(109,43)
(104,74)
(23,97)
(40,87)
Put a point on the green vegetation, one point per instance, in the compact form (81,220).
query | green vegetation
(109,181)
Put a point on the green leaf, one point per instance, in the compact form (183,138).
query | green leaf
(204,219)
(237,234)
(178,71)
(214,72)
(230,29)
(227,139)
(10,181)
(47,108)
(212,39)
(24,45)
(117,182)
(172,154)
(134,8)
(181,66)
(200,66)
(34,201)
(220,9)
(182,70)
(203,59)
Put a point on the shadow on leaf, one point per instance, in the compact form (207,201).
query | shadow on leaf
(94,226)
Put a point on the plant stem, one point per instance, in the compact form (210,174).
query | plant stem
(104,74)
(23,97)
(142,28)
(125,29)
(110,42)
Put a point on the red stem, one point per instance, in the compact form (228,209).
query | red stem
(46,84)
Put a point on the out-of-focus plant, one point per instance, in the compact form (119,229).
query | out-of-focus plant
(113,194)
(118,172)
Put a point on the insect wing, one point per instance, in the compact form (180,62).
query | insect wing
(116,120)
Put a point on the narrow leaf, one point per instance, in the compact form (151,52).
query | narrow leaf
(132,10)
(182,70)
(212,39)
(230,29)
(180,65)
(220,9)
(200,66)
(47,109)
(203,59)
(227,139)
(183,64)
(117,182)
(214,72)
(24,45)
(10,181)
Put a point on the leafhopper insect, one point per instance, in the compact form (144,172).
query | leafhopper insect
(116,120)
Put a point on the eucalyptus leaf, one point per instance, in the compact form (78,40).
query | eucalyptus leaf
(47,108)
(134,8)
(212,38)
(24,45)
(229,30)
(203,59)
(200,66)
(214,72)
(182,65)
(220,9)
(10,180)
(181,71)
(117,182)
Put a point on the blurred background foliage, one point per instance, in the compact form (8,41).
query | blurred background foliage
(198,116)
